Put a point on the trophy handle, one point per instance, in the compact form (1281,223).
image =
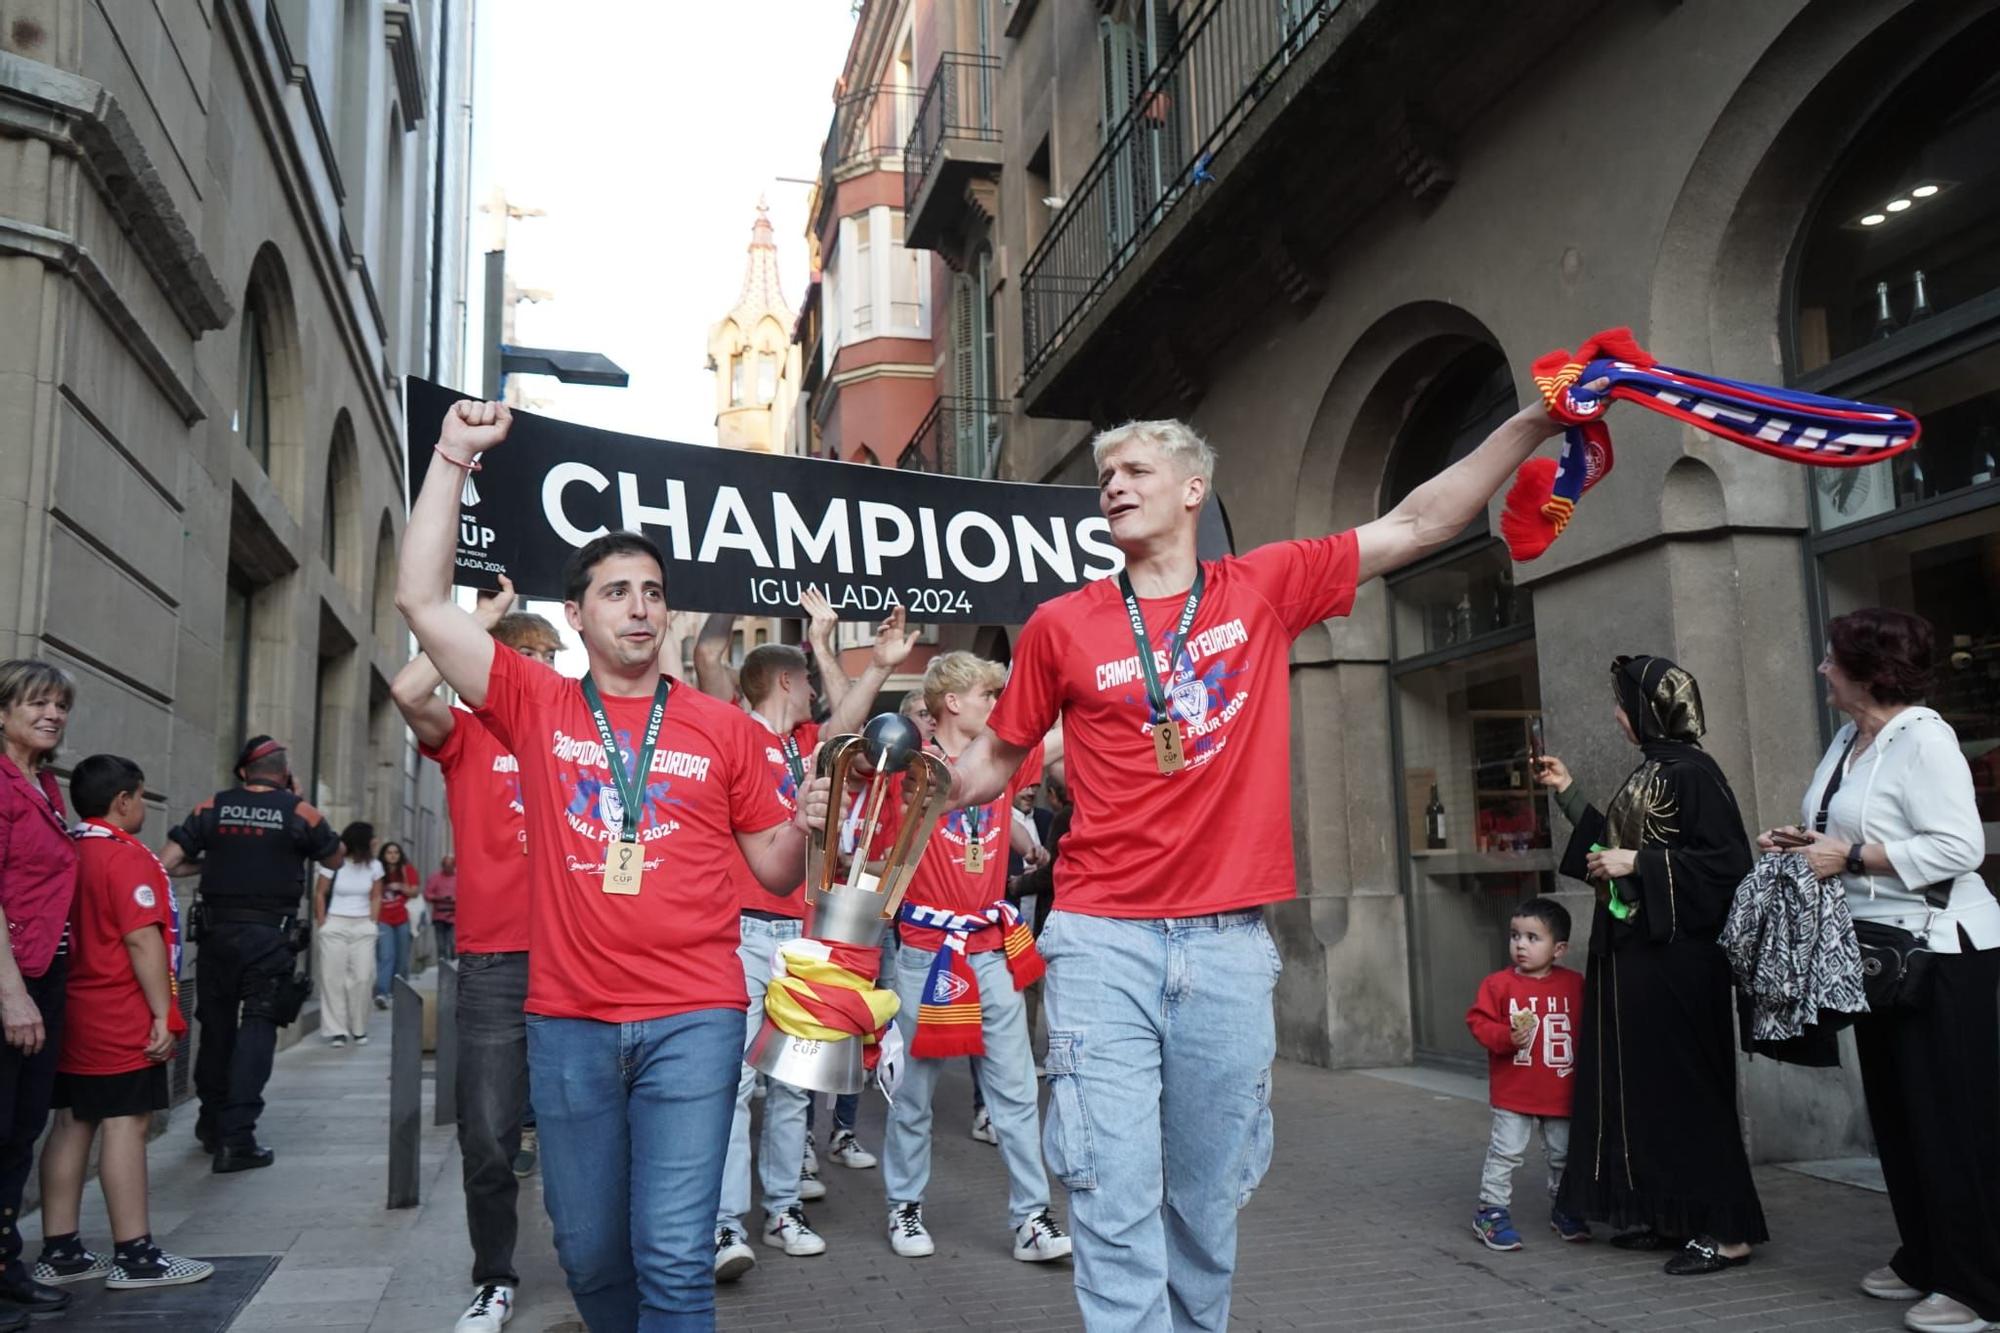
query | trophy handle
(922,813)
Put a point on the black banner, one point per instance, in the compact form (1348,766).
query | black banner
(746,533)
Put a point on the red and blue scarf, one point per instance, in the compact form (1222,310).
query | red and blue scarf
(1799,427)
(949,1018)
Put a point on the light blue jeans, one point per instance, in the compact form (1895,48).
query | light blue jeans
(1160,1048)
(392,956)
(1008,1072)
(634,1122)
(781,1145)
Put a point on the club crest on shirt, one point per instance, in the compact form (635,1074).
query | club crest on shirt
(1190,698)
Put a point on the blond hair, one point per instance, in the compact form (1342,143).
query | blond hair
(958,673)
(1175,440)
(525,629)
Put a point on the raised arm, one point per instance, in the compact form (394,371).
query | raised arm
(415,687)
(454,641)
(712,673)
(1435,512)
(821,621)
(893,641)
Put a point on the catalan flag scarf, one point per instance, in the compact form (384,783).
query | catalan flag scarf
(1799,427)
(948,1015)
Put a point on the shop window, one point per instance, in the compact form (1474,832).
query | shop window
(1908,227)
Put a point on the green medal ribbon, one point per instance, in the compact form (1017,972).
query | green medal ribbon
(631,786)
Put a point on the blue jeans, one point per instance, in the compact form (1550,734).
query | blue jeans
(781,1146)
(392,956)
(1160,1048)
(634,1121)
(1007,1069)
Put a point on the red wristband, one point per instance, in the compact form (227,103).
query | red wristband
(469,464)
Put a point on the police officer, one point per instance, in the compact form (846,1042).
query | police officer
(251,845)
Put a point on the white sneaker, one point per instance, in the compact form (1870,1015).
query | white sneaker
(1040,1239)
(733,1255)
(847,1151)
(907,1236)
(790,1232)
(812,1160)
(491,1308)
(1939,1313)
(1884,1285)
(811,1188)
(982,1128)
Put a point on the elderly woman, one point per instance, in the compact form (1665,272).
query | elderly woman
(1654,1129)
(1902,832)
(37,884)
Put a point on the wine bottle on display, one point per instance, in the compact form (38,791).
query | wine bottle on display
(1434,822)
(1885,319)
(1922,308)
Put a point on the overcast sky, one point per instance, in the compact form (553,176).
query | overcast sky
(647,130)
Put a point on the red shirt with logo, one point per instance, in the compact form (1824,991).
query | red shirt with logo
(1217,835)
(941,879)
(670,948)
(1536,1079)
(753,896)
(120,887)
(482,788)
(396,887)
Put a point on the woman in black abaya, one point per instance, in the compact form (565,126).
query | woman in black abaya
(1654,1144)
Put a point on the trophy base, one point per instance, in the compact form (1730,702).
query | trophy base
(814,1064)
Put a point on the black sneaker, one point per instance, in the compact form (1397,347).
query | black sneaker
(156,1268)
(60,1270)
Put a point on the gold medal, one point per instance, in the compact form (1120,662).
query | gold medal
(624,867)
(1167,746)
(975,857)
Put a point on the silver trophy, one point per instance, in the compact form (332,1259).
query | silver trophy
(855,908)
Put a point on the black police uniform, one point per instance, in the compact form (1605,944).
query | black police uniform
(254,843)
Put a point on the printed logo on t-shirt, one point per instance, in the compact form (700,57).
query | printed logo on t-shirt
(593,806)
(144,896)
(1553,1037)
(1199,687)
(788,787)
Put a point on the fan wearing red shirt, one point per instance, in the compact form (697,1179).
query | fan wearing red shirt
(777,690)
(639,799)
(1160,967)
(1525,1016)
(958,972)
(489,903)
(123,1019)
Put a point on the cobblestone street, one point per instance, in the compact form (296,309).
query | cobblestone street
(1363,1223)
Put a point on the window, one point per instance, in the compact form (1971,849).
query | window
(736,394)
(395,256)
(862,286)
(232,725)
(253,407)
(767,377)
(329,520)
(905,277)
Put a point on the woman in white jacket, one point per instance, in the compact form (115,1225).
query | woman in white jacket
(1902,820)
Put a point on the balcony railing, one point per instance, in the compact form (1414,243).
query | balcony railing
(869,127)
(958,105)
(959,437)
(1228,55)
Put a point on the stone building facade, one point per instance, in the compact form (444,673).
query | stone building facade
(1334,233)
(227,230)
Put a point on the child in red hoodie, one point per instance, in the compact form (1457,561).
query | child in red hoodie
(1525,1018)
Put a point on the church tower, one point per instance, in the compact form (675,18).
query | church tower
(750,350)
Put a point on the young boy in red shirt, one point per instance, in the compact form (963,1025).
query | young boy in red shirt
(122,1022)
(1525,1017)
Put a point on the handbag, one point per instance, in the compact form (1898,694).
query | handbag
(1895,963)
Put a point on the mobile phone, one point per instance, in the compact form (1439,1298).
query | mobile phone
(1537,749)
(1791,837)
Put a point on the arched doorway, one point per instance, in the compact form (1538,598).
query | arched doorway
(1473,832)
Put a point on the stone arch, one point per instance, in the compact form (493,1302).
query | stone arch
(383,618)
(340,509)
(1691,498)
(1722,285)
(1346,459)
(268,301)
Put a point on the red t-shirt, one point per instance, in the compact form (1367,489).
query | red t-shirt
(482,787)
(751,895)
(120,888)
(396,886)
(670,948)
(1217,835)
(1536,1079)
(941,879)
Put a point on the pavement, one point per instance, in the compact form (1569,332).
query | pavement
(1363,1223)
